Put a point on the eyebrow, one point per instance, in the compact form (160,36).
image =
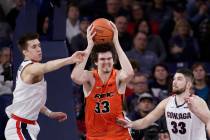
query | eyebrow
(106,58)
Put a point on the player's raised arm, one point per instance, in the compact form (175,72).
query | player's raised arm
(79,75)
(42,68)
(148,120)
(199,107)
(127,71)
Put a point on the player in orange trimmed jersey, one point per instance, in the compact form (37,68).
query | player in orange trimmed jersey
(104,88)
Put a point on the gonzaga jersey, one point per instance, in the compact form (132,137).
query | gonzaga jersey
(103,106)
(28,99)
(182,123)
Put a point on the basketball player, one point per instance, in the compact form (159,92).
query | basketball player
(185,120)
(103,89)
(30,91)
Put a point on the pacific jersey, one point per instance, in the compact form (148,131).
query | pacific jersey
(103,107)
(28,99)
(182,123)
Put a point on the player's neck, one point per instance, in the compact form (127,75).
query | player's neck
(104,76)
(181,97)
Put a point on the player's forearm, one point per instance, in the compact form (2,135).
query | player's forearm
(44,110)
(140,124)
(80,67)
(124,62)
(56,64)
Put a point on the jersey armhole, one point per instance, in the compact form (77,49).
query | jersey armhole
(23,70)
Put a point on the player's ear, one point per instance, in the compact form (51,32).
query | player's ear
(189,84)
(24,52)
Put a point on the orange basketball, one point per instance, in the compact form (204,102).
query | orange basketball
(104,32)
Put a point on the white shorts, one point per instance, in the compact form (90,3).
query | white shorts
(17,130)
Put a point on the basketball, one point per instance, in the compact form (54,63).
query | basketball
(104,32)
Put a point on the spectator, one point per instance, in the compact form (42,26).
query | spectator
(155,43)
(164,135)
(5,89)
(137,14)
(5,31)
(129,88)
(79,42)
(159,85)
(179,13)
(126,5)
(197,11)
(139,84)
(201,87)
(72,22)
(113,9)
(14,12)
(43,28)
(203,38)
(144,105)
(146,59)
(158,14)
(6,62)
(124,38)
(183,42)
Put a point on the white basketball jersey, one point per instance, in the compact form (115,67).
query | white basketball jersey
(182,123)
(28,99)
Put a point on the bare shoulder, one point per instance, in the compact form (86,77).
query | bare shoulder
(89,77)
(30,68)
(199,99)
(122,76)
(164,102)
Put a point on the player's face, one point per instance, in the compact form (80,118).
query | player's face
(179,83)
(105,62)
(33,51)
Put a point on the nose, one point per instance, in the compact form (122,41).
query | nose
(39,49)
(106,61)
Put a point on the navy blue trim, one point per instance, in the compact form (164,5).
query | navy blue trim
(25,131)
(177,106)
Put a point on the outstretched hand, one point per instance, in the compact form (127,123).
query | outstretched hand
(124,123)
(59,116)
(78,56)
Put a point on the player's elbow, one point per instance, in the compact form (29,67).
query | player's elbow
(76,79)
(131,73)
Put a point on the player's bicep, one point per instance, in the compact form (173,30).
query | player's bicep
(84,77)
(204,113)
(35,69)
(123,77)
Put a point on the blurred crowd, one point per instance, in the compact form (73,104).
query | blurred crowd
(158,36)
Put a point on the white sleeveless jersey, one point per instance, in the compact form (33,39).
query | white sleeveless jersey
(182,123)
(28,99)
